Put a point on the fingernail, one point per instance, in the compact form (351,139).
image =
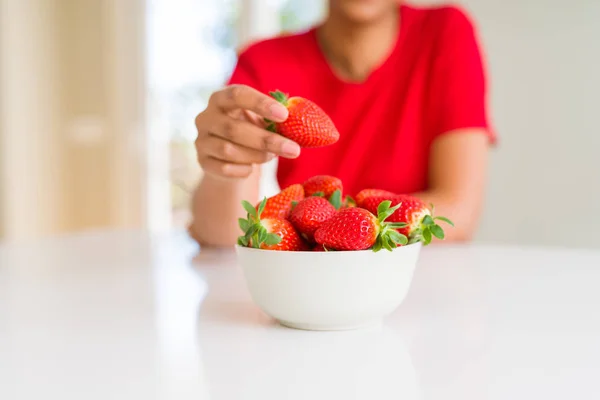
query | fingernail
(290,149)
(278,111)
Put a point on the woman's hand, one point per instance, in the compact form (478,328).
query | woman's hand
(232,135)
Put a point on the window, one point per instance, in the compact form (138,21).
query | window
(192,51)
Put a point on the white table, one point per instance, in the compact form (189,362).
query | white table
(127,316)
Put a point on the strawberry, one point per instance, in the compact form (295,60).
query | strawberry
(419,219)
(307,124)
(310,214)
(363,194)
(358,229)
(280,205)
(270,233)
(323,185)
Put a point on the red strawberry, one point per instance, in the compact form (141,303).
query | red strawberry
(319,247)
(280,205)
(310,214)
(419,219)
(365,193)
(358,229)
(268,233)
(307,124)
(324,185)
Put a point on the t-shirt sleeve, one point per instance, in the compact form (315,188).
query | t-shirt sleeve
(459,91)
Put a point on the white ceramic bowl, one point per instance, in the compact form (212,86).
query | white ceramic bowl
(334,290)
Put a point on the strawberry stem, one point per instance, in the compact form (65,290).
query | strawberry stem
(280,97)
(270,126)
(428,229)
(388,238)
(255,234)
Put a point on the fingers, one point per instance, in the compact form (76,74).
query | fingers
(216,147)
(229,147)
(225,169)
(249,135)
(247,98)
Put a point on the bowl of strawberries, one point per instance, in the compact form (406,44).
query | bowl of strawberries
(314,260)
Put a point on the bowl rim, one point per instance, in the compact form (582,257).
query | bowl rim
(244,248)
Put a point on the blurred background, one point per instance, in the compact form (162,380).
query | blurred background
(98,99)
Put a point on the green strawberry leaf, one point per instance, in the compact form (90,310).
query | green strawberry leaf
(250,232)
(446,220)
(414,239)
(336,199)
(270,125)
(244,224)
(397,225)
(397,237)
(272,239)
(383,216)
(280,97)
(386,211)
(261,206)
(426,236)
(427,220)
(387,245)
(294,204)
(437,231)
(249,209)
(255,235)
(318,194)
(262,234)
(397,206)
(377,246)
(242,241)
(383,207)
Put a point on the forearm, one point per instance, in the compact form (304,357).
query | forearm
(216,208)
(463,211)
(457,181)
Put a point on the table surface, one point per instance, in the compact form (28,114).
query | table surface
(133,316)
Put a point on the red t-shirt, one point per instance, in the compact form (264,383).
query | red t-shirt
(432,83)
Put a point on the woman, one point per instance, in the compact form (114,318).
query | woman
(405,87)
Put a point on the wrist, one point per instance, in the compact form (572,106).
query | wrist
(222,183)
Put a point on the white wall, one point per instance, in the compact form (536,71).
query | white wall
(72,92)
(544,61)
(29,121)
